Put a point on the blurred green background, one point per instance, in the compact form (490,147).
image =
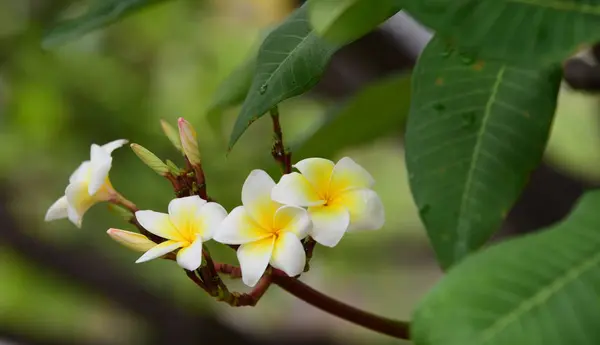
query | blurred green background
(163,63)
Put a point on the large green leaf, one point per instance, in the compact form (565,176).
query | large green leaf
(476,130)
(290,61)
(100,14)
(523,30)
(344,21)
(377,111)
(541,289)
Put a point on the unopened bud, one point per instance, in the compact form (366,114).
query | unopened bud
(189,141)
(121,212)
(173,168)
(172,134)
(131,240)
(150,159)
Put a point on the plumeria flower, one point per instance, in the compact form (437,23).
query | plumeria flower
(338,197)
(131,240)
(190,222)
(88,185)
(266,231)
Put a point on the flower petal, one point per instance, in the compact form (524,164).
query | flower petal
(158,224)
(159,250)
(190,257)
(211,217)
(131,240)
(348,175)
(58,210)
(254,258)
(329,224)
(256,198)
(79,201)
(185,215)
(292,219)
(288,254)
(365,208)
(317,171)
(82,173)
(294,189)
(239,228)
(101,163)
(113,145)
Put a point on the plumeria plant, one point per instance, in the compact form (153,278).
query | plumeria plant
(274,231)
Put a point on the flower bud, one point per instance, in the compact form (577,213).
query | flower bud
(189,141)
(173,168)
(172,134)
(120,211)
(150,159)
(131,240)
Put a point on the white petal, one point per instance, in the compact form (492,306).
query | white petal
(254,258)
(288,254)
(131,240)
(294,189)
(239,228)
(329,224)
(212,216)
(190,257)
(348,175)
(158,224)
(317,171)
(79,202)
(256,198)
(113,145)
(82,173)
(365,207)
(101,163)
(293,219)
(58,210)
(159,250)
(185,215)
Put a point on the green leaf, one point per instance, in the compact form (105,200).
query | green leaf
(379,110)
(231,92)
(100,14)
(537,289)
(476,130)
(515,30)
(290,61)
(344,21)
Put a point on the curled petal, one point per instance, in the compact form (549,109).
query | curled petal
(184,214)
(58,210)
(82,173)
(131,240)
(292,219)
(256,198)
(317,171)
(190,257)
(79,201)
(101,163)
(212,216)
(113,145)
(239,228)
(294,189)
(365,208)
(159,250)
(158,224)
(288,254)
(329,224)
(348,175)
(254,258)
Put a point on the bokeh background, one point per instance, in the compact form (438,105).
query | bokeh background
(63,285)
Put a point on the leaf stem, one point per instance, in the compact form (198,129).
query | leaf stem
(393,328)
(281,156)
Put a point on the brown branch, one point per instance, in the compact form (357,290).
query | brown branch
(281,156)
(393,328)
(232,271)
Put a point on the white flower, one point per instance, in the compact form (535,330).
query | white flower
(267,231)
(190,222)
(88,185)
(131,240)
(338,197)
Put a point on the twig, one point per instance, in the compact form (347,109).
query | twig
(281,156)
(232,271)
(393,328)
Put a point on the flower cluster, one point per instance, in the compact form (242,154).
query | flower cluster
(322,201)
